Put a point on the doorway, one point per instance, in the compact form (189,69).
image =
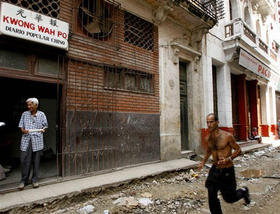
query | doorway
(249,113)
(183,105)
(215,89)
(235,109)
(14,93)
(277,94)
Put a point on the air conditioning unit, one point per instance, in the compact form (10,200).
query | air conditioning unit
(96,18)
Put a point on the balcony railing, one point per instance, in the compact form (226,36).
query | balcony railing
(238,28)
(263,46)
(211,9)
(249,33)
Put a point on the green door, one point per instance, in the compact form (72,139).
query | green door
(183,105)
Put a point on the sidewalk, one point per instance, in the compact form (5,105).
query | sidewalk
(77,186)
(73,187)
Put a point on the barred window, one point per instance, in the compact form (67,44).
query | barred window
(46,7)
(113,77)
(96,17)
(128,79)
(138,32)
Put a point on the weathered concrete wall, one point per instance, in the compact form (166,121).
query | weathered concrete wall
(169,56)
(170,136)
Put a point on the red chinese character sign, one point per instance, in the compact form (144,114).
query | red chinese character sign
(25,24)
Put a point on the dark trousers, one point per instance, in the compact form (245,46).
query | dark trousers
(223,180)
(27,158)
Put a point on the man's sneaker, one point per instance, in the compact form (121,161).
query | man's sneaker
(246,195)
(35,185)
(21,186)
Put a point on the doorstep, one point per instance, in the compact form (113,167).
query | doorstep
(247,143)
(187,154)
(253,147)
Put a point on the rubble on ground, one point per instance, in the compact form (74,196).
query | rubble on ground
(178,192)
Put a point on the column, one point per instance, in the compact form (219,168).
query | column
(273,123)
(170,135)
(207,95)
(224,98)
(265,110)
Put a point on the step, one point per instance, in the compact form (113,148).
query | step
(187,154)
(247,143)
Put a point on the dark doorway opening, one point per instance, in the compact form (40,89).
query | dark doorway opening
(235,109)
(14,93)
(277,94)
(183,105)
(249,113)
(215,89)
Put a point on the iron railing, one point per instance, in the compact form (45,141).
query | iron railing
(212,9)
(238,28)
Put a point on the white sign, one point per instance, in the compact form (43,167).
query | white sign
(26,24)
(254,65)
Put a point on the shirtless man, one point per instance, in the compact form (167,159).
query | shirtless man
(221,175)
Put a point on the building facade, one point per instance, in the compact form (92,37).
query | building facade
(100,91)
(119,81)
(241,68)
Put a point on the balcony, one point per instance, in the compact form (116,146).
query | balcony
(238,29)
(203,13)
(209,11)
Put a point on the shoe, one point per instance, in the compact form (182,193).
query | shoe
(21,186)
(247,196)
(35,185)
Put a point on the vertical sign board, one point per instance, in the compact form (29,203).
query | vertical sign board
(26,24)
(254,65)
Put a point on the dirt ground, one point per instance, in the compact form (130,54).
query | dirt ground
(179,192)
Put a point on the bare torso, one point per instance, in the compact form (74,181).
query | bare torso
(221,148)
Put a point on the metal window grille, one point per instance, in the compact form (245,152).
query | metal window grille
(138,32)
(46,7)
(128,79)
(97,18)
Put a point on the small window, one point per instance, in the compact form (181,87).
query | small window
(13,59)
(138,32)
(48,66)
(130,81)
(112,77)
(146,83)
(127,79)
(247,16)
